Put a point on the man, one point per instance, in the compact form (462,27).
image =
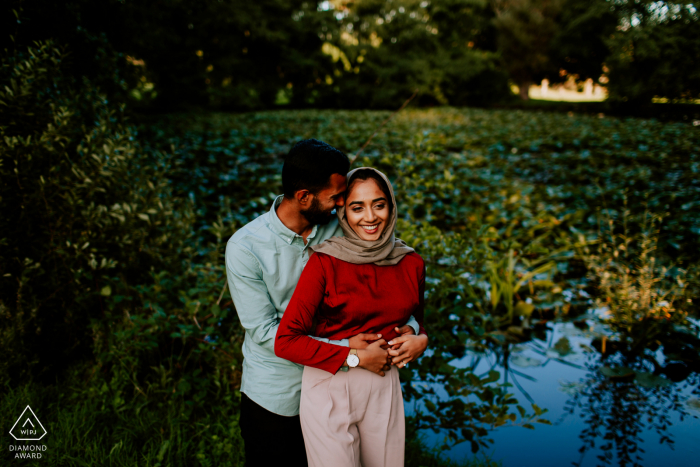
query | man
(264,261)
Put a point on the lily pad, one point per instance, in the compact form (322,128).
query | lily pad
(693,404)
(562,347)
(650,380)
(524,362)
(617,373)
(571,388)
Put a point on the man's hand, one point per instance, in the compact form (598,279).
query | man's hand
(361,341)
(374,358)
(407,348)
(403,330)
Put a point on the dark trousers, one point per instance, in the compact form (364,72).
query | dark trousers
(270,439)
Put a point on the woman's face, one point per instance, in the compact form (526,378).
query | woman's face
(367,209)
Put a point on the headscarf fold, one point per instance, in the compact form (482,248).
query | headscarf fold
(385,251)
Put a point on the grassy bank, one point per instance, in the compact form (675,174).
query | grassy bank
(89,424)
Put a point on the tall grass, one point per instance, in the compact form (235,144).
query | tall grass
(86,426)
(640,296)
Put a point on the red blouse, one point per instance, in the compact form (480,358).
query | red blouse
(346,299)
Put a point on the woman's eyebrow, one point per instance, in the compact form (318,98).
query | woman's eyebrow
(373,201)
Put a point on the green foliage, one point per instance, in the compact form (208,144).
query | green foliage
(486,197)
(641,296)
(93,421)
(580,45)
(391,50)
(653,52)
(418,454)
(525,31)
(493,200)
(97,421)
(182,346)
(237,55)
(83,212)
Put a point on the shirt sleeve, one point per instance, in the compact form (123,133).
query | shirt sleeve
(250,296)
(414,325)
(292,342)
(341,342)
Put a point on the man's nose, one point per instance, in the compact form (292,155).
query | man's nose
(340,201)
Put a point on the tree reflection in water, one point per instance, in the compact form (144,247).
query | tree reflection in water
(628,392)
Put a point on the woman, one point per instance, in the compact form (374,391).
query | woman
(367,281)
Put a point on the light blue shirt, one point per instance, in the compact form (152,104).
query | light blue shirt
(264,261)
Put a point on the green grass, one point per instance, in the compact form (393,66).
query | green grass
(87,427)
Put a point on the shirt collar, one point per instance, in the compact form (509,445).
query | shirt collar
(282,230)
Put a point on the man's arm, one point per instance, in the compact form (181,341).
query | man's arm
(250,296)
(249,292)
(341,342)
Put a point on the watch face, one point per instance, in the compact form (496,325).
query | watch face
(353,360)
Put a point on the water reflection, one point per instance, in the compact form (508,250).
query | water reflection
(610,399)
(619,402)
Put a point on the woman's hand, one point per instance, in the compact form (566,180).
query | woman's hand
(374,358)
(407,348)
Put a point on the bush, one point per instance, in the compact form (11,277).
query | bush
(83,215)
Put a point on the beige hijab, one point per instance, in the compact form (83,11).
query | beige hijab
(385,251)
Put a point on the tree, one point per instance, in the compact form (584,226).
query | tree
(525,31)
(580,46)
(223,54)
(655,52)
(391,49)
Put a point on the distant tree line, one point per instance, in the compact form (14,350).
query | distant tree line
(241,55)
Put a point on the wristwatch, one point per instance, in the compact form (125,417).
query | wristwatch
(353,360)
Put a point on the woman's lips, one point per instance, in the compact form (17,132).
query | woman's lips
(370,229)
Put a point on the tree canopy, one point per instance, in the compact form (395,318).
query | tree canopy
(231,54)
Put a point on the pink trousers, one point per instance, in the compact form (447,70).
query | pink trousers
(353,418)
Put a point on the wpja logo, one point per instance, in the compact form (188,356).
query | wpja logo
(28,428)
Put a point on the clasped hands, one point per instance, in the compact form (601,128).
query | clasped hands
(379,355)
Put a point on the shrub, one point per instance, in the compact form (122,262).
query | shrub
(83,213)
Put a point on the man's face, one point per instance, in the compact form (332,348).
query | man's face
(326,200)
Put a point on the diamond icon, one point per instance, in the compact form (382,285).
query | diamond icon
(28,427)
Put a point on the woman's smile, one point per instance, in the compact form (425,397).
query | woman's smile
(370,229)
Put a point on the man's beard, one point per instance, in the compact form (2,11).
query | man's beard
(317,216)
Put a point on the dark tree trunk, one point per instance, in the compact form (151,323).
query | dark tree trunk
(524,88)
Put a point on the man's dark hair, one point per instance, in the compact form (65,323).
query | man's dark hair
(309,166)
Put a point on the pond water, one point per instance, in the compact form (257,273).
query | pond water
(602,413)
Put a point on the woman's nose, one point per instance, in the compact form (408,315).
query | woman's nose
(370,216)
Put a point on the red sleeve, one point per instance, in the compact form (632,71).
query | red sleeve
(292,341)
(420,311)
